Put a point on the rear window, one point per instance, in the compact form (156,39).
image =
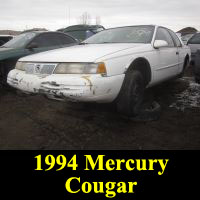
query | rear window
(195,39)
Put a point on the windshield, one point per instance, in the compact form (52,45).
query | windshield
(20,40)
(134,34)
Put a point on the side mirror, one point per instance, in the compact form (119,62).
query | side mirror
(160,43)
(32,45)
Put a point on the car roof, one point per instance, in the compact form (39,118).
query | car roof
(81,27)
(37,32)
(40,32)
(132,26)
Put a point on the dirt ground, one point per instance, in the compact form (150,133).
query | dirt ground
(34,122)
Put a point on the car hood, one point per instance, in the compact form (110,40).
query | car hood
(80,53)
(5,52)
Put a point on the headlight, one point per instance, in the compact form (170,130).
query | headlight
(80,68)
(20,66)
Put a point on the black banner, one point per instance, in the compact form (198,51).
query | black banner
(101,175)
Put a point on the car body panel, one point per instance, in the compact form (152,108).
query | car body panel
(6,53)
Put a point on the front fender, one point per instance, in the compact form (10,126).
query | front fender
(119,65)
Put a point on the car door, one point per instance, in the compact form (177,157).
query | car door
(181,52)
(167,56)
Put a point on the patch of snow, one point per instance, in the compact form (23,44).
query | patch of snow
(189,98)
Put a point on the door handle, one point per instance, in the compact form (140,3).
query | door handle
(177,53)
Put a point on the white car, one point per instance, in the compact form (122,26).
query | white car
(114,65)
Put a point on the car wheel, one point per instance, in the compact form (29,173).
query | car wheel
(131,94)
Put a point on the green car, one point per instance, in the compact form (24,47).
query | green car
(30,43)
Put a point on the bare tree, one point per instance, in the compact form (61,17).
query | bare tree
(85,18)
(98,20)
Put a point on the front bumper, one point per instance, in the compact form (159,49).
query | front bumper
(85,88)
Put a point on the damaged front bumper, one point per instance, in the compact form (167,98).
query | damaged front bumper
(85,88)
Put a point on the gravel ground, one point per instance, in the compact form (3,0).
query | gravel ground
(34,122)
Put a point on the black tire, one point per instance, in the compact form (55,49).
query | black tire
(131,95)
(186,64)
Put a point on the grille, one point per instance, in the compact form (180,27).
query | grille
(39,68)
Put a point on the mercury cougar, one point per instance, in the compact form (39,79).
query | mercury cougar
(114,65)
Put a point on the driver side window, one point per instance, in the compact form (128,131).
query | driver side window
(163,34)
(40,41)
(47,40)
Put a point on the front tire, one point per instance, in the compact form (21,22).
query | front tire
(131,95)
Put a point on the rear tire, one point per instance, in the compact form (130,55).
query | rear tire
(131,95)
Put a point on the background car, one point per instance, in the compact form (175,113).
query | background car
(114,65)
(30,43)
(5,38)
(186,37)
(82,32)
(196,67)
(194,44)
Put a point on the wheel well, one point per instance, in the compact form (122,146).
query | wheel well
(142,65)
(186,58)
(186,61)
